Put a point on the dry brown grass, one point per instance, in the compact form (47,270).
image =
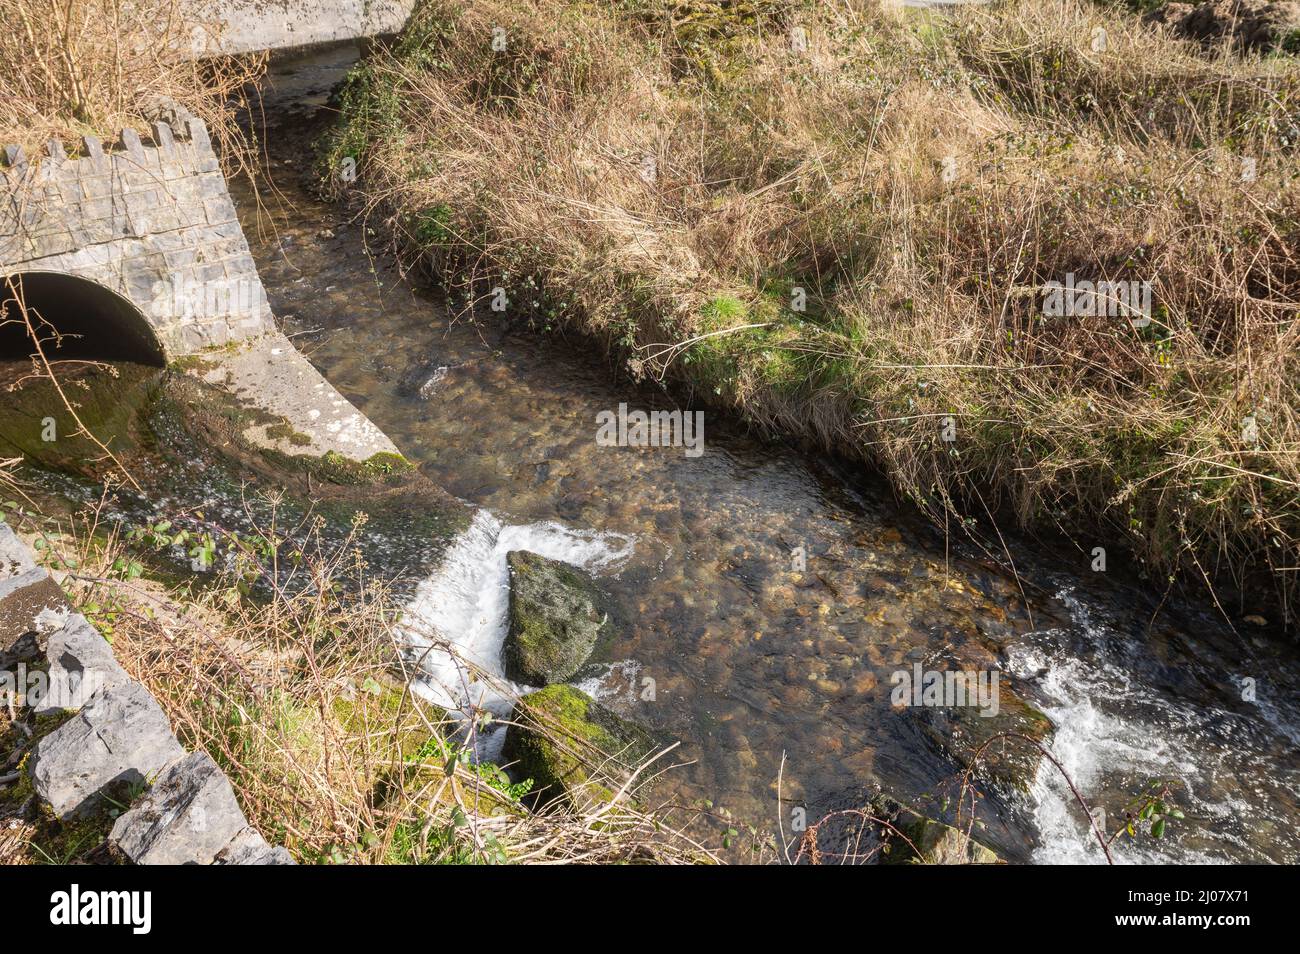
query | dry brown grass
(299,691)
(526,168)
(92,67)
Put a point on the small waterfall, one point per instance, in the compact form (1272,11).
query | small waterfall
(464,604)
(1090,743)
(1114,733)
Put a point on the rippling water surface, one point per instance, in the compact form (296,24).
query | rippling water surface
(755,660)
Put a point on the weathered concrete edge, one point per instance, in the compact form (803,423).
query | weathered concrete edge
(269,373)
(248,26)
(192,820)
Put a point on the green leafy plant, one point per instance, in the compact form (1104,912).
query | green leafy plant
(1150,812)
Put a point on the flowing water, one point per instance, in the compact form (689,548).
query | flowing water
(763,665)
(763,599)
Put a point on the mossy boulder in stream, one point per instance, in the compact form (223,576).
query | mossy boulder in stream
(573,747)
(555,618)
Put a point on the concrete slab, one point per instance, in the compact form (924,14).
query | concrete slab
(270,374)
(245,26)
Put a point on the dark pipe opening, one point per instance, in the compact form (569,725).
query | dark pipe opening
(92,322)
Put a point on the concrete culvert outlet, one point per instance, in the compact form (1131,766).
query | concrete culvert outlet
(74,318)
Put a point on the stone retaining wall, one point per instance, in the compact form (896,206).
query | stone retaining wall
(119,734)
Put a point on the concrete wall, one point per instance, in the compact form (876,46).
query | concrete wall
(154,223)
(150,220)
(247,25)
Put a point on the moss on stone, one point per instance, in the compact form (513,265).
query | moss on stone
(554,619)
(385,706)
(962,732)
(573,747)
(931,842)
(196,362)
(386,462)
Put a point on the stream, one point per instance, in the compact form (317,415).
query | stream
(752,660)
(765,597)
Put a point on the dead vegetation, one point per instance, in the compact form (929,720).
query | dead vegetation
(839,221)
(285,665)
(93,67)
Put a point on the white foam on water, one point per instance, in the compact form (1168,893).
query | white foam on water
(1109,729)
(613,681)
(1088,743)
(463,605)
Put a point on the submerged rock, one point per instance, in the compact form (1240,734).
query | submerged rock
(431,384)
(924,841)
(962,731)
(423,381)
(555,617)
(573,747)
(426,376)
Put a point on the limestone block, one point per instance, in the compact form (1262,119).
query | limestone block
(120,735)
(250,848)
(81,663)
(188,816)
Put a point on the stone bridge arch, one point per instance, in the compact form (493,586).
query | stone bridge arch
(73,317)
